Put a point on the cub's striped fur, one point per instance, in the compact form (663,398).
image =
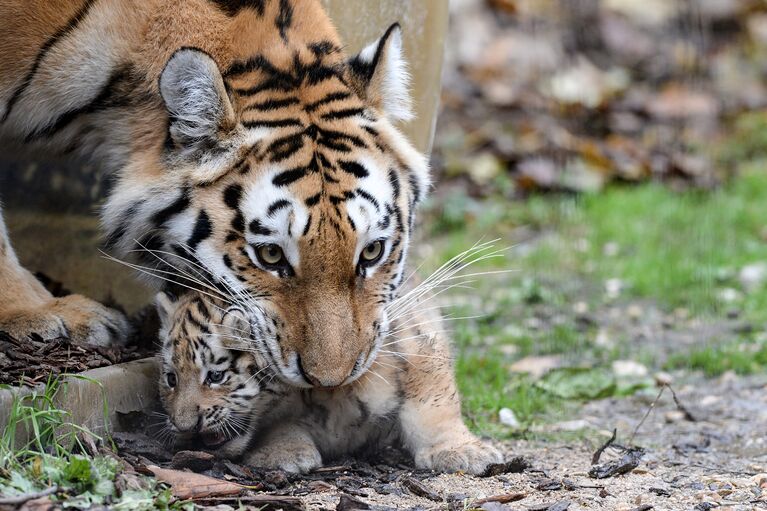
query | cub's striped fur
(250,157)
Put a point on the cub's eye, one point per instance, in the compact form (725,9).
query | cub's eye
(372,253)
(171,379)
(215,376)
(270,255)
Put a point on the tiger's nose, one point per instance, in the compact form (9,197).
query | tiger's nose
(319,376)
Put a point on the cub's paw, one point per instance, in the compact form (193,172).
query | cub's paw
(469,455)
(297,459)
(75,317)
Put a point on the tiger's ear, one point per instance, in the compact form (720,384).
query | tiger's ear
(380,75)
(166,306)
(236,329)
(199,110)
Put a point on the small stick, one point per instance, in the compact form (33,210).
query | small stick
(649,410)
(598,453)
(501,499)
(20,499)
(687,415)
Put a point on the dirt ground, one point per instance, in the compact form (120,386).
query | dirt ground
(709,453)
(717,461)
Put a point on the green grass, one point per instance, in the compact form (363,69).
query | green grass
(54,456)
(741,358)
(668,248)
(677,248)
(486,387)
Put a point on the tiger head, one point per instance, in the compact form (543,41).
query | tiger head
(286,188)
(209,387)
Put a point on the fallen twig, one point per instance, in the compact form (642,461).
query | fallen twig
(20,499)
(598,453)
(687,415)
(501,499)
(647,413)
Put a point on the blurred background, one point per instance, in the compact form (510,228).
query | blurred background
(614,148)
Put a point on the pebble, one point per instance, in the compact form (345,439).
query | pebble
(611,249)
(634,312)
(753,276)
(730,295)
(673,416)
(709,400)
(536,366)
(603,339)
(508,418)
(581,308)
(629,369)
(613,288)
(663,378)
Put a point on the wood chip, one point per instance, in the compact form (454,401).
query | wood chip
(191,486)
(419,489)
(501,499)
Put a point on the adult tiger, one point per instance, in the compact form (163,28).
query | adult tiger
(246,149)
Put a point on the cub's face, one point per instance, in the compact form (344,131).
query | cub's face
(208,391)
(290,195)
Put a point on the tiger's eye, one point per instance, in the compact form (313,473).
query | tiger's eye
(270,255)
(171,379)
(215,376)
(372,252)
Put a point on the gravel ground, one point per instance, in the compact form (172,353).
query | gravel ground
(708,452)
(719,460)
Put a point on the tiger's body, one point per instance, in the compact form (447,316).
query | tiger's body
(254,162)
(407,398)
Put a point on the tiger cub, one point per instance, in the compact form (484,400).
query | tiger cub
(210,392)
(407,398)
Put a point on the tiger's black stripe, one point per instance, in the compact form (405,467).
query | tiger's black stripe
(289,176)
(354,169)
(342,114)
(233,7)
(203,228)
(275,123)
(71,25)
(330,98)
(285,147)
(276,206)
(101,101)
(272,104)
(284,19)
(176,207)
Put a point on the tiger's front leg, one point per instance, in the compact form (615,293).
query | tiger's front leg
(287,447)
(26,307)
(430,417)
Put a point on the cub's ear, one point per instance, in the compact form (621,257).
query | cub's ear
(380,75)
(199,110)
(236,330)
(166,306)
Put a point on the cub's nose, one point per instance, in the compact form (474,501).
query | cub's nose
(187,422)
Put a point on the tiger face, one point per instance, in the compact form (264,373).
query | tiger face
(209,391)
(287,190)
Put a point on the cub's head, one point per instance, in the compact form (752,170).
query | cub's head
(286,190)
(208,390)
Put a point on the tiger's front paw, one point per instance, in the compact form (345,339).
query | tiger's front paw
(470,455)
(74,317)
(299,458)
